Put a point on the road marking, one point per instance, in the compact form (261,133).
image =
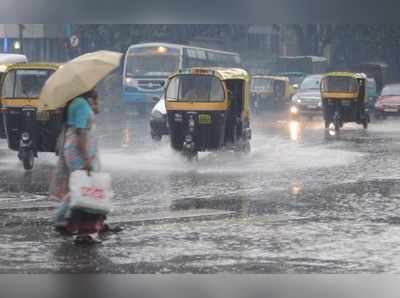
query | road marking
(140,219)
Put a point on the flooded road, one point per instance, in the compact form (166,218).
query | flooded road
(301,202)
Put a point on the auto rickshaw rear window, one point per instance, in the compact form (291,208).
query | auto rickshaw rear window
(25,83)
(339,84)
(195,88)
(261,84)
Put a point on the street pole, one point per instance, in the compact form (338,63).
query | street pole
(21,29)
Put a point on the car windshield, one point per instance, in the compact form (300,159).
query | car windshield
(391,90)
(339,84)
(263,84)
(195,88)
(151,65)
(311,83)
(25,83)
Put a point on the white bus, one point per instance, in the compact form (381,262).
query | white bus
(147,67)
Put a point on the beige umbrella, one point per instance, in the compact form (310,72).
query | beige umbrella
(77,77)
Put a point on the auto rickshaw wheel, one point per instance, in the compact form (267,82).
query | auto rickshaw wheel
(28,161)
(156,137)
(246,148)
(365,123)
(190,155)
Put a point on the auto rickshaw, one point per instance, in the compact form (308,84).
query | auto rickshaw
(270,92)
(379,71)
(27,130)
(5,61)
(344,99)
(208,110)
(295,78)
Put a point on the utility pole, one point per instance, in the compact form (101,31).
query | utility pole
(21,28)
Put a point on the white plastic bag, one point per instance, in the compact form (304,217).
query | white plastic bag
(92,193)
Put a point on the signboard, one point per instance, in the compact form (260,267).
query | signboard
(74,40)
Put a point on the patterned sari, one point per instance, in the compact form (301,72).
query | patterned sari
(70,160)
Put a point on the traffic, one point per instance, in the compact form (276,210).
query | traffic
(173,141)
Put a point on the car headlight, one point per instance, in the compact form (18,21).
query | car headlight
(130,82)
(320,104)
(298,100)
(294,110)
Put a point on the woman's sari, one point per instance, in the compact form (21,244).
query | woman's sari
(70,160)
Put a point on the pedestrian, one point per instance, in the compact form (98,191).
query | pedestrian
(77,150)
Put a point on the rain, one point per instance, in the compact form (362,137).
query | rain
(316,190)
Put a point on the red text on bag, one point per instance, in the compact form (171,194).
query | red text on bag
(92,192)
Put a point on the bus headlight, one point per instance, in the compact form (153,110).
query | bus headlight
(294,110)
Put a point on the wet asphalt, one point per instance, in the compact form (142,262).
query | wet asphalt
(303,201)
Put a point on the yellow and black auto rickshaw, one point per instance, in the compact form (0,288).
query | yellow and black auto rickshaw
(344,99)
(270,92)
(27,130)
(7,60)
(208,110)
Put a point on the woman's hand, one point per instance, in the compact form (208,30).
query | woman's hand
(88,166)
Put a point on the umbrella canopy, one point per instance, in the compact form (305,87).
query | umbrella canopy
(76,77)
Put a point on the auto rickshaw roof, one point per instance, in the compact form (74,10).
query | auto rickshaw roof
(346,74)
(277,78)
(292,73)
(35,65)
(220,72)
(3,67)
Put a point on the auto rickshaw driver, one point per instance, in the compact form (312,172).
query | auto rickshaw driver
(30,87)
(197,89)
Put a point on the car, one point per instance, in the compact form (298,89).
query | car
(159,121)
(372,93)
(388,102)
(307,101)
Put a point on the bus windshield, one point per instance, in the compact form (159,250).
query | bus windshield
(25,83)
(203,88)
(262,84)
(151,65)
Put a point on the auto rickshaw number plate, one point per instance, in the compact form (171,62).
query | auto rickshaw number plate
(204,119)
(42,116)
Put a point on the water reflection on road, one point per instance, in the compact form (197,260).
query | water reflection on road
(303,202)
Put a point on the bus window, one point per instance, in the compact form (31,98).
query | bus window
(151,65)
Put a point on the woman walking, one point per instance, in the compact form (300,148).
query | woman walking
(79,151)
